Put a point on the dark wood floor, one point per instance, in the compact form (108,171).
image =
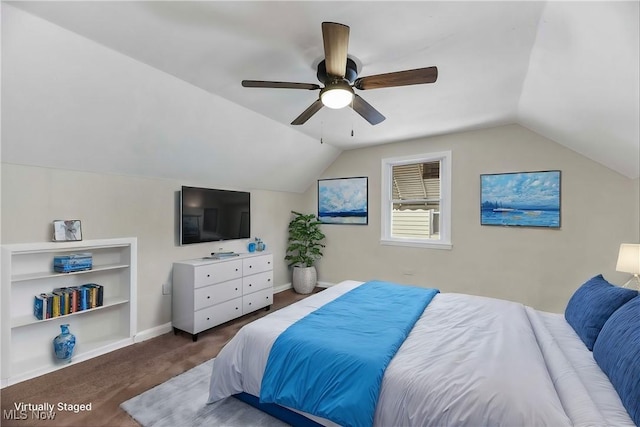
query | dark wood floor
(109,380)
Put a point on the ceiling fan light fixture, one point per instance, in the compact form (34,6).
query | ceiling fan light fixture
(337,95)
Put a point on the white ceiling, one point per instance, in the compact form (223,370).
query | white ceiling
(567,70)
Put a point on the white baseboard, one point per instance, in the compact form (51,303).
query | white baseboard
(281,288)
(153,332)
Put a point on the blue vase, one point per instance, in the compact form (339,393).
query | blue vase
(64,344)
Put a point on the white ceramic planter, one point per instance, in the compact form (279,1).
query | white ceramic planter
(304,279)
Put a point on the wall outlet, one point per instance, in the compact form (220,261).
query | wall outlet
(166,289)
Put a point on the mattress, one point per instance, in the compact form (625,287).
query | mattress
(469,360)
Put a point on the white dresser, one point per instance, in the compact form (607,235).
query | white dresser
(209,292)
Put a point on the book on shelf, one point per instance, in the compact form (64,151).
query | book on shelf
(40,306)
(55,312)
(75,298)
(68,300)
(72,263)
(49,305)
(84,298)
(96,294)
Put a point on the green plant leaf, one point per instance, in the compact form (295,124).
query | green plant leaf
(304,240)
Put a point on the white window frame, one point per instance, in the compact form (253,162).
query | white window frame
(444,242)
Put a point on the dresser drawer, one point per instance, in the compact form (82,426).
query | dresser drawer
(257,282)
(215,294)
(216,315)
(217,272)
(256,300)
(257,264)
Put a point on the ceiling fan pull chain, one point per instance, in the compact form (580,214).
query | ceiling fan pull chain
(321,131)
(352,112)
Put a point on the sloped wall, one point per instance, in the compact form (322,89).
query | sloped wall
(71,103)
(91,134)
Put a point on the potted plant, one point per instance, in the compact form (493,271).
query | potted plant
(303,250)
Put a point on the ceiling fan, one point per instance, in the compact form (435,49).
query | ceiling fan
(339,74)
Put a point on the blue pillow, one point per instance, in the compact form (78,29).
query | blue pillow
(592,304)
(617,352)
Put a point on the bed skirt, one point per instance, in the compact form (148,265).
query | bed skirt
(277,411)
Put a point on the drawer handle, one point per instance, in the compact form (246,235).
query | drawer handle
(208,275)
(267,297)
(250,266)
(208,297)
(249,303)
(207,318)
(250,285)
(268,280)
(236,308)
(236,289)
(269,262)
(236,269)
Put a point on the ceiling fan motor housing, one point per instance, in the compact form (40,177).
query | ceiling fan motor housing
(351,73)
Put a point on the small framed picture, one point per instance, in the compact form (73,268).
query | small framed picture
(65,230)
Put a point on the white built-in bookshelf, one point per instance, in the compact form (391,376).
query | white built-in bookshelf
(27,271)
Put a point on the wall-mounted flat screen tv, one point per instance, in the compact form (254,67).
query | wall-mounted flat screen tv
(209,215)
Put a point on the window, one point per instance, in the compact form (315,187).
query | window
(416,201)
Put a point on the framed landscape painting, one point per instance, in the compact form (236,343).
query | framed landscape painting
(521,199)
(343,201)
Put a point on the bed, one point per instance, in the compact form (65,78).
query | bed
(477,361)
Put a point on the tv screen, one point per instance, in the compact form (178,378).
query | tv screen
(209,215)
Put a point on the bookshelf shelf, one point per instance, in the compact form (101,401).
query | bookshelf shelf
(46,274)
(27,270)
(29,319)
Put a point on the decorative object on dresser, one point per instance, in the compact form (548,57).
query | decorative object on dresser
(208,292)
(303,251)
(28,271)
(629,262)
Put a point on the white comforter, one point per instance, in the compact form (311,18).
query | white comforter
(469,360)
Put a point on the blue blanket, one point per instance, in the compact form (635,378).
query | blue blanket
(331,362)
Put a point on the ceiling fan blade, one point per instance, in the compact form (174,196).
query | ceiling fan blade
(306,114)
(365,109)
(279,85)
(336,44)
(399,78)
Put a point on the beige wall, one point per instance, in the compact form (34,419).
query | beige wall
(538,267)
(124,206)
(600,209)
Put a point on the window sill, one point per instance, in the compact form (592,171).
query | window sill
(426,244)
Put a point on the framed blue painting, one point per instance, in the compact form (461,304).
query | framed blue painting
(343,201)
(520,199)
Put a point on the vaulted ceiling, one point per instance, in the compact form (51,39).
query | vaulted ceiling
(566,70)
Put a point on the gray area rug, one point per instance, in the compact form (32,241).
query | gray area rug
(181,401)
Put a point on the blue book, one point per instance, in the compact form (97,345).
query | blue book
(39,307)
(84,298)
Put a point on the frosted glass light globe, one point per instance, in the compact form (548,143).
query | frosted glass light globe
(337,95)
